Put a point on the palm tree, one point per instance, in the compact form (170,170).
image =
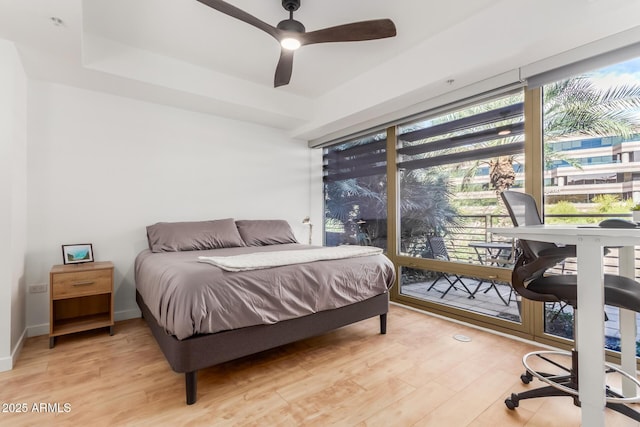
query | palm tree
(425,205)
(578,107)
(501,173)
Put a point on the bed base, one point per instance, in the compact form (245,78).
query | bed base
(201,351)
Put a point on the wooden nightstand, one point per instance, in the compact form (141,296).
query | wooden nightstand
(81,298)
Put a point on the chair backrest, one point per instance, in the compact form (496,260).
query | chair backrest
(523,210)
(529,265)
(438,248)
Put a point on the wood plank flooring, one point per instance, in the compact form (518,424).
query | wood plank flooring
(416,375)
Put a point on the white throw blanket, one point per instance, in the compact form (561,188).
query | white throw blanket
(260,260)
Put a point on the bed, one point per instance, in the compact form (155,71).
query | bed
(206,304)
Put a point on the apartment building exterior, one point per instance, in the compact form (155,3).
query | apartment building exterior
(579,169)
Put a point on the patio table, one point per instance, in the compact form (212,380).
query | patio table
(496,254)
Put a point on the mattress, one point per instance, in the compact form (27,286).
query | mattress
(188,297)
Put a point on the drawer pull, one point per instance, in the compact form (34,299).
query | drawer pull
(83,283)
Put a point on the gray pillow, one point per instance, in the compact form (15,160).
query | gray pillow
(193,236)
(265,232)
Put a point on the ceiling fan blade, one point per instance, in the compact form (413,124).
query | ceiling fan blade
(357,31)
(234,12)
(284,68)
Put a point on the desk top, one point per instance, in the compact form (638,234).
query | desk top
(573,234)
(491,245)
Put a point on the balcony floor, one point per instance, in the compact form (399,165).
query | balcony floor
(488,303)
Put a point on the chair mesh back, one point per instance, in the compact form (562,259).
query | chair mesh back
(522,208)
(524,211)
(438,248)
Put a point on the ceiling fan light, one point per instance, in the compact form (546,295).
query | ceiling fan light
(290,43)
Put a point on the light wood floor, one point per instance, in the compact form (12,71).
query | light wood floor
(417,374)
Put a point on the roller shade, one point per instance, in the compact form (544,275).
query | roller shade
(367,157)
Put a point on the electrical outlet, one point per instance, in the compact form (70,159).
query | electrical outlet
(37,289)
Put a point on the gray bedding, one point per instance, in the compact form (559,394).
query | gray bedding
(188,297)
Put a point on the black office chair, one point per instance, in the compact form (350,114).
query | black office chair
(529,280)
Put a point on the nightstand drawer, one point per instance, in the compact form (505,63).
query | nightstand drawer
(81,283)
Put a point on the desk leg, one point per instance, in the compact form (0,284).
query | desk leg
(628,325)
(590,331)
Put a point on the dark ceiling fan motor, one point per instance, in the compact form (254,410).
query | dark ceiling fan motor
(291,5)
(291,24)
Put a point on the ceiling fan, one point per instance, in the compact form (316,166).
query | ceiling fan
(291,34)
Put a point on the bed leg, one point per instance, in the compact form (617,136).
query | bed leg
(191,383)
(383,323)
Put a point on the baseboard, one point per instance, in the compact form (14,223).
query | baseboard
(37,330)
(134,313)
(7,363)
(472,326)
(43,329)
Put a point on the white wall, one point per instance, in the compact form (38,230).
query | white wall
(103,167)
(13,205)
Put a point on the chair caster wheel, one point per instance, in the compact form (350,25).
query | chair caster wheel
(512,402)
(526,378)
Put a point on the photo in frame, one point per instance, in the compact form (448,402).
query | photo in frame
(77,253)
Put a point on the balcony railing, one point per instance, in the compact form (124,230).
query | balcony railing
(499,304)
(475,229)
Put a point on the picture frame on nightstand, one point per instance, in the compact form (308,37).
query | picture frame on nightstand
(77,253)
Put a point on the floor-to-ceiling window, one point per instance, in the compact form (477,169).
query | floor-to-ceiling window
(591,133)
(443,173)
(355,190)
(451,168)
(427,190)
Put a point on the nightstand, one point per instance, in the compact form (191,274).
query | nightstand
(80,298)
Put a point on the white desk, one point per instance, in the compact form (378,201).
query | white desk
(590,243)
